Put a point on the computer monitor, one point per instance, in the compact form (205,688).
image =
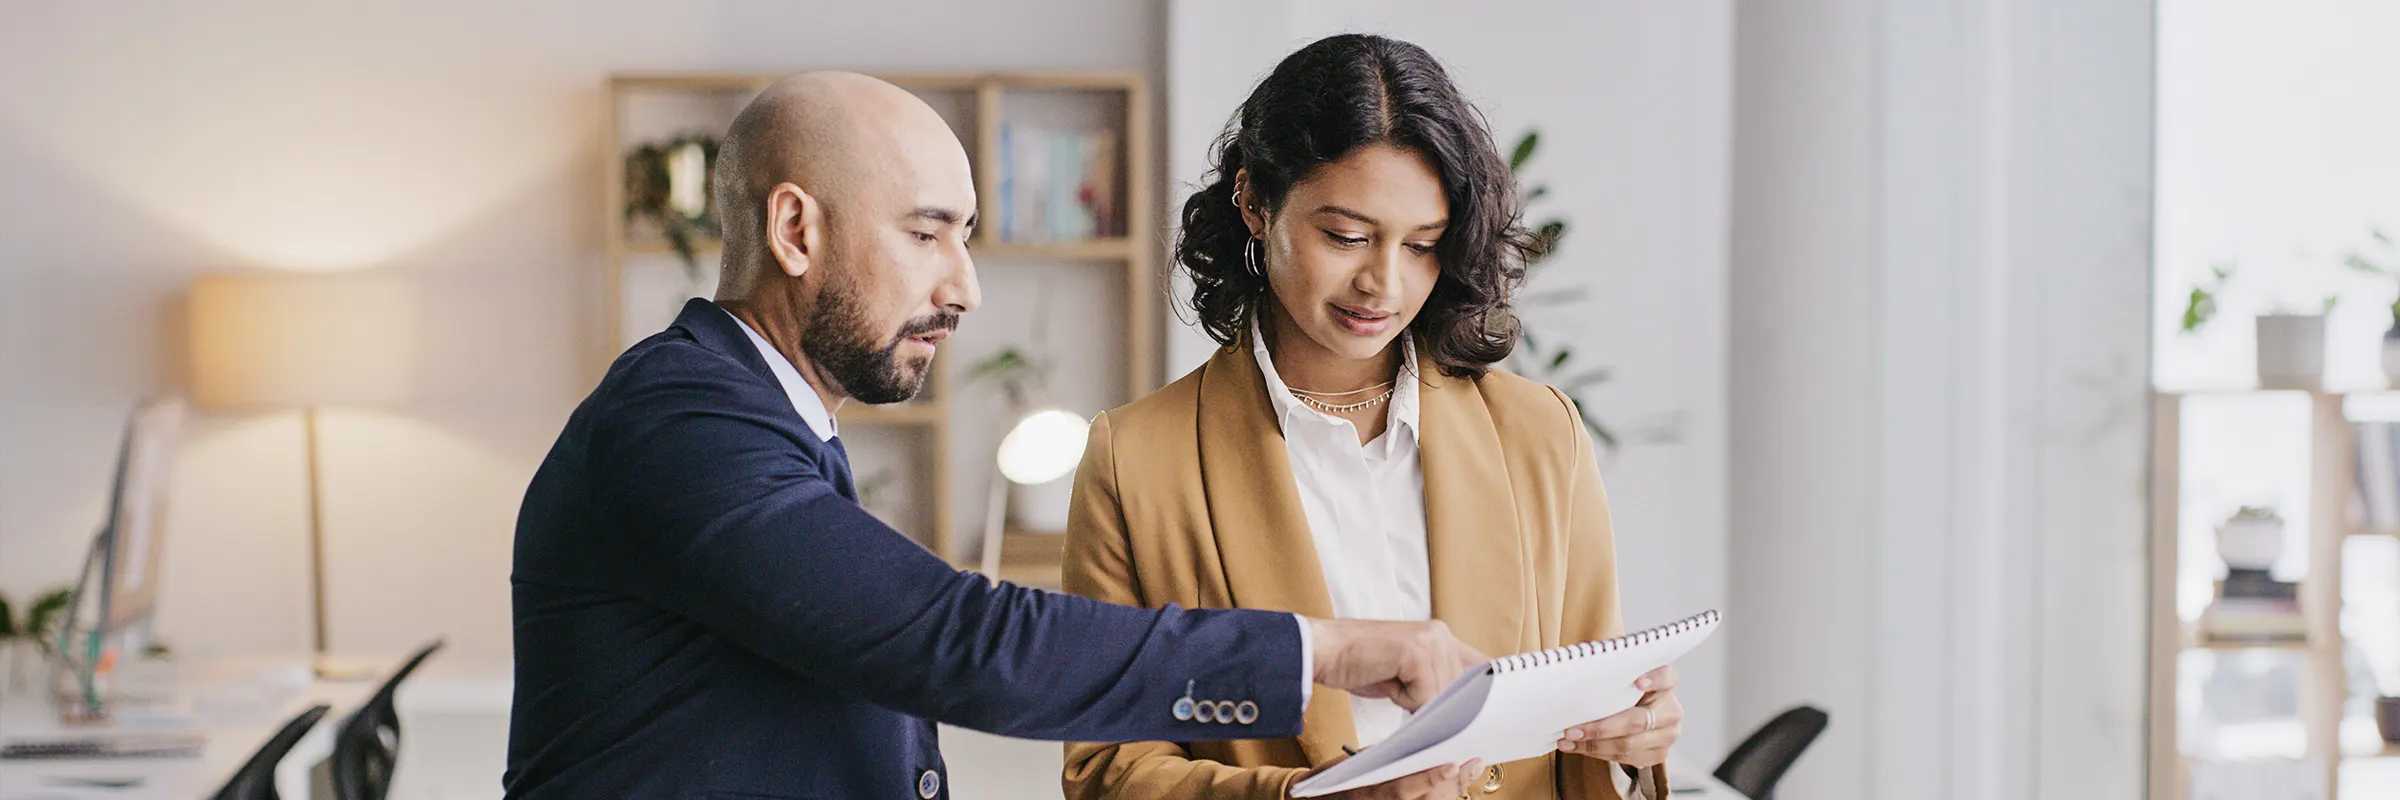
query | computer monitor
(119,584)
(134,537)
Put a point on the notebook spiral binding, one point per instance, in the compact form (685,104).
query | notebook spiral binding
(1574,651)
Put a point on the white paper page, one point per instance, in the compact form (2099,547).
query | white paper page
(1521,715)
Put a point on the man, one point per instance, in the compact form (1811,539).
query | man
(702,608)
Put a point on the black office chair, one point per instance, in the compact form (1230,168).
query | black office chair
(1760,761)
(256,779)
(368,744)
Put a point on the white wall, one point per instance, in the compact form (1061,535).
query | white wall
(1940,235)
(2272,156)
(1633,100)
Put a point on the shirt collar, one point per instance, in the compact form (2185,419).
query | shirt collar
(1402,416)
(804,397)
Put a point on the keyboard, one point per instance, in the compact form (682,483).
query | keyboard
(161,745)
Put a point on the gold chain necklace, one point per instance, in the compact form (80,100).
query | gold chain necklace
(1330,408)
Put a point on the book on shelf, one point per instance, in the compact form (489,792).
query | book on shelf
(1056,186)
(2252,607)
(2256,584)
(2377,504)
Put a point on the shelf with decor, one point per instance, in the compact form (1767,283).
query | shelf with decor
(2323,452)
(1063,163)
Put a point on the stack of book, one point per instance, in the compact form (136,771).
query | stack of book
(1057,185)
(2252,607)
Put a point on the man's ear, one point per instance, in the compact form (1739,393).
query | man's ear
(1252,215)
(795,228)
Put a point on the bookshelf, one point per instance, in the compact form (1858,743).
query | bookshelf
(940,443)
(2176,643)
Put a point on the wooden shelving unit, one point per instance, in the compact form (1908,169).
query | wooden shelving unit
(976,103)
(2325,685)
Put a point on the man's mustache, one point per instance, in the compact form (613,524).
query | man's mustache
(943,320)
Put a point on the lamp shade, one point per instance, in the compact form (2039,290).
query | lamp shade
(1043,447)
(282,340)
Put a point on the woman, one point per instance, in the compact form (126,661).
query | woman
(1349,452)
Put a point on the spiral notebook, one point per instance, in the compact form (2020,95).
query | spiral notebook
(1515,708)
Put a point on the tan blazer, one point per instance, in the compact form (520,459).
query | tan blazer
(1186,496)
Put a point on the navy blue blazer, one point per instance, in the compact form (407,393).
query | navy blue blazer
(704,611)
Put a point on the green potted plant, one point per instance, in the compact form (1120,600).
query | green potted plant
(27,640)
(2251,539)
(671,186)
(2291,340)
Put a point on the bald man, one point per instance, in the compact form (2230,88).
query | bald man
(704,611)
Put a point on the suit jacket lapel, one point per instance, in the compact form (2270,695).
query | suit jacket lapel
(1261,531)
(1477,552)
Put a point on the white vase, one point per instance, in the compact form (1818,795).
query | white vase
(2291,351)
(2250,543)
(1041,507)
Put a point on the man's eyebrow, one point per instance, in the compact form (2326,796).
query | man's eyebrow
(1345,212)
(946,216)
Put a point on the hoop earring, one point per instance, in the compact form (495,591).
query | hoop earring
(1252,257)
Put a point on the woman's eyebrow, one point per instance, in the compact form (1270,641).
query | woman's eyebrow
(1353,214)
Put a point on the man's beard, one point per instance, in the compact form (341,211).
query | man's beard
(838,341)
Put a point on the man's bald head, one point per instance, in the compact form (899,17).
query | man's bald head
(844,138)
(847,204)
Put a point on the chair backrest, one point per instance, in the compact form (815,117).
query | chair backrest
(256,779)
(368,745)
(1760,761)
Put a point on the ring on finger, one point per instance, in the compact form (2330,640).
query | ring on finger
(1649,719)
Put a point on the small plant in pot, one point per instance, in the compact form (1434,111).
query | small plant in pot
(1023,378)
(2251,539)
(27,639)
(2382,259)
(2291,342)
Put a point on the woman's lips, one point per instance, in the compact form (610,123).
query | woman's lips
(1362,322)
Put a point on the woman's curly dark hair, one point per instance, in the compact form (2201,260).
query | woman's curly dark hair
(1324,101)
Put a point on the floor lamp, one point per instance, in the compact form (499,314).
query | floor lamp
(263,342)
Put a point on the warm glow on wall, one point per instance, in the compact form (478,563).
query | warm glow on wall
(282,341)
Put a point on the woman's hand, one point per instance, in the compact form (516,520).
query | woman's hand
(1440,783)
(1639,736)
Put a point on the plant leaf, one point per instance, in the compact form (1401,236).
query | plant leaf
(1536,193)
(43,619)
(1560,359)
(1524,150)
(8,621)
(2359,262)
(1546,237)
(1585,379)
(1607,438)
(2198,309)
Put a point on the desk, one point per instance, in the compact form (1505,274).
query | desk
(1685,784)
(237,705)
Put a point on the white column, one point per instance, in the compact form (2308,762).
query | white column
(1940,294)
